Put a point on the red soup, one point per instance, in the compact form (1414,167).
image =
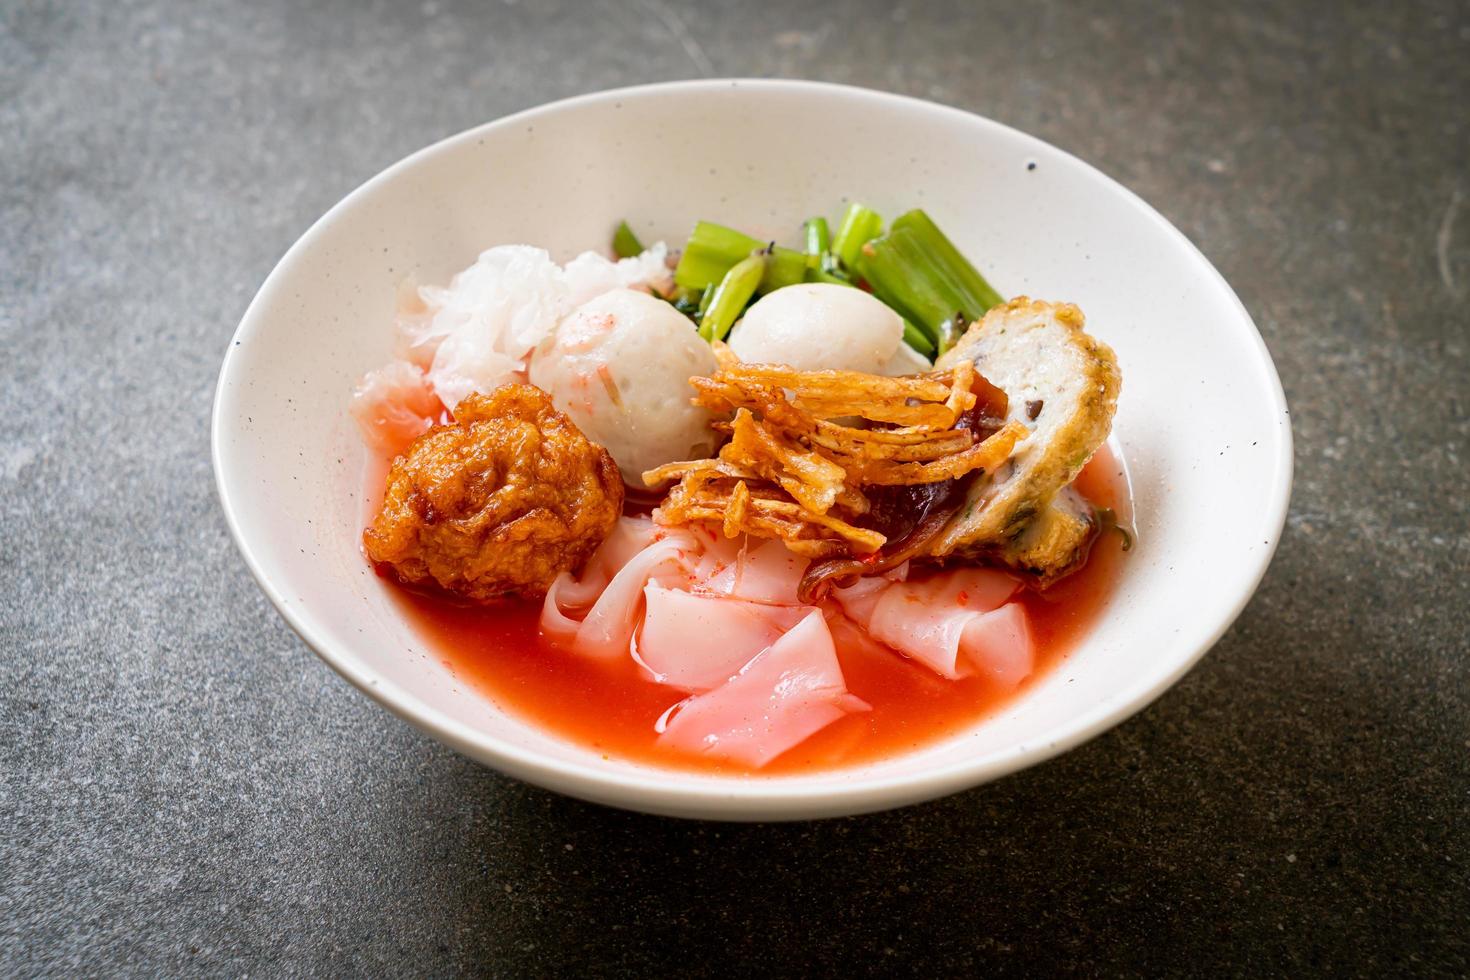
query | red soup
(611,707)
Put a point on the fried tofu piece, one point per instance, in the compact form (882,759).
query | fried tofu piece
(497,503)
(1063,386)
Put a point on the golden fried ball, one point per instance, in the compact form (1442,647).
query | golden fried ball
(497,503)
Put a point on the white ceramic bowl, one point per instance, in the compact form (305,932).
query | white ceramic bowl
(1202,420)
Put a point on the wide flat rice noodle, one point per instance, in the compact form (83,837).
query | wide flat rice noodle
(697,642)
(955,623)
(763,572)
(999,644)
(858,599)
(606,631)
(790,691)
(628,537)
(979,589)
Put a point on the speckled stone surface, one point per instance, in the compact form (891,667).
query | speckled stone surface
(185,788)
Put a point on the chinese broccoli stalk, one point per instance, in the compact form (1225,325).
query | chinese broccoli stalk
(918,271)
(714,249)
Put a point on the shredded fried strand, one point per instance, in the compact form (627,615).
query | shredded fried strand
(812,480)
(791,470)
(986,455)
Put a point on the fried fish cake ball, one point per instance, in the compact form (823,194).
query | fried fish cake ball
(497,503)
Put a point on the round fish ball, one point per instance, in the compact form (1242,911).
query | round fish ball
(819,326)
(619,366)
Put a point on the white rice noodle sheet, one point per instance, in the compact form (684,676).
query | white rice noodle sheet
(999,645)
(764,572)
(613,584)
(628,537)
(719,554)
(956,623)
(787,693)
(697,642)
(859,599)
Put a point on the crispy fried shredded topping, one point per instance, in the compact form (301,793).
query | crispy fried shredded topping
(803,444)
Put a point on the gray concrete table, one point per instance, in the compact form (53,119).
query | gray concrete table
(184,788)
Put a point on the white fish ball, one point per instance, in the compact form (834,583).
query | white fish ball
(619,366)
(819,326)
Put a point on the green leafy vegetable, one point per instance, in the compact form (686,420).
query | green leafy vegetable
(916,339)
(714,249)
(914,269)
(917,270)
(687,301)
(965,276)
(860,225)
(626,244)
(817,275)
(731,295)
(818,242)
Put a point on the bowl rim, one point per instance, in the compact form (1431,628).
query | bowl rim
(674,792)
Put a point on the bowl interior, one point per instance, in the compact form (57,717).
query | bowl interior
(1201,421)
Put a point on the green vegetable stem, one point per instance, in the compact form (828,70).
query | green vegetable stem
(860,225)
(916,339)
(818,242)
(957,268)
(731,295)
(917,270)
(625,243)
(818,275)
(714,249)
